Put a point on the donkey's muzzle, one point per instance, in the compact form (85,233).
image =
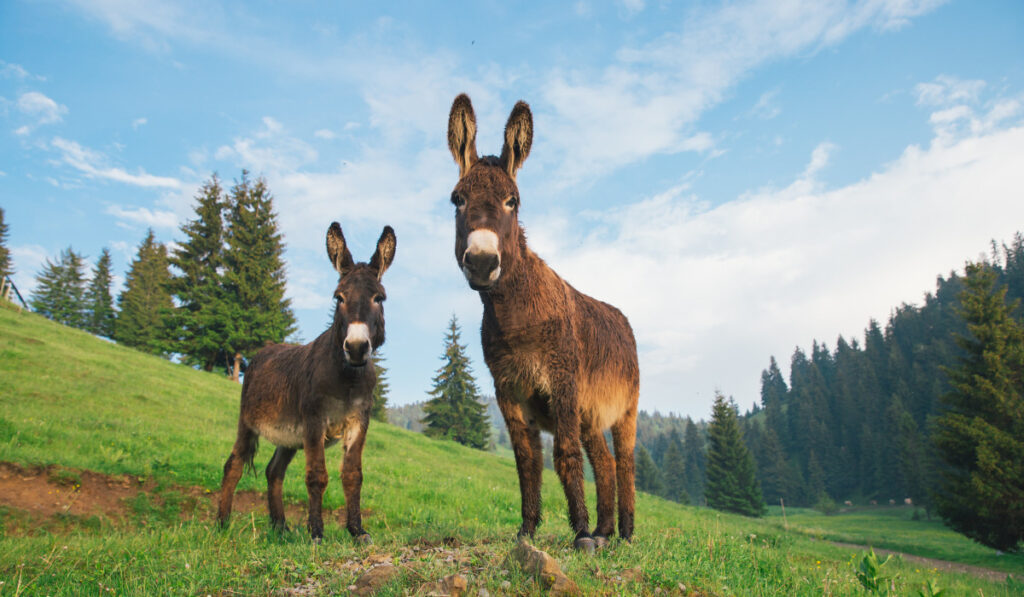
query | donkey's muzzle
(356,352)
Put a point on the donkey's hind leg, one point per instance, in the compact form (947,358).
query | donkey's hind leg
(604,477)
(624,438)
(275,479)
(241,455)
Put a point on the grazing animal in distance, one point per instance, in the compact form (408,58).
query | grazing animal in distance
(562,361)
(313,396)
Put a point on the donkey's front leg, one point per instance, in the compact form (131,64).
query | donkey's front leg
(316,481)
(526,447)
(569,461)
(352,479)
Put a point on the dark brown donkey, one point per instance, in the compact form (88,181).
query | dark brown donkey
(311,397)
(561,361)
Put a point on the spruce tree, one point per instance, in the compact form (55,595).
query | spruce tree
(200,316)
(674,470)
(379,411)
(981,433)
(455,411)
(647,476)
(255,310)
(61,289)
(145,303)
(99,304)
(6,269)
(731,483)
(694,455)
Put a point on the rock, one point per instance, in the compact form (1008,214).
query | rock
(545,568)
(450,586)
(375,578)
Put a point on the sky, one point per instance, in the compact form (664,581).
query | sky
(739,178)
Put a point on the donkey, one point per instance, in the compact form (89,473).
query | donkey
(561,360)
(311,397)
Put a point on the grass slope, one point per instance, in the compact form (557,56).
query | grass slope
(70,399)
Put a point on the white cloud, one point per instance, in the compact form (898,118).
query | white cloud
(819,159)
(93,165)
(268,150)
(144,216)
(766,107)
(22,131)
(9,70)
(632,6)
(139,122)
(946,90)
(711,290)
(41,108)
(648,100)
(28,261)
(325,134)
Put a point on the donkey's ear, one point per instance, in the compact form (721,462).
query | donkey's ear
(337,251)
(385,252)
(518,138)
(462,133)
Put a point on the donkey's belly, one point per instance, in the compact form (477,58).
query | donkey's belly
(282,434)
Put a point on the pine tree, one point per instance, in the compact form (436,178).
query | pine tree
(981,433)
(145,303)
(647,476)
(674,470)
(696,463)
(455,411)
(255,310)
(200,316)
(59,295)
(731,483)
(6,269)
(379,410)
(99,304)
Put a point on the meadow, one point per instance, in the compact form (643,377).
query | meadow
(77,412)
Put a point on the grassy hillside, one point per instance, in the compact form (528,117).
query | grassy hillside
(433,507)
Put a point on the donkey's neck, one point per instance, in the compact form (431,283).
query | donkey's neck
(528,294)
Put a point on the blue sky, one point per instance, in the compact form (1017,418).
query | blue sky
(738,178)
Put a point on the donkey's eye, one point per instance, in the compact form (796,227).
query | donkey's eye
(378,298)
(512,202)
(339,299)
(458,200)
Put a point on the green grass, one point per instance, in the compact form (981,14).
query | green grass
(894,528)
(69,399)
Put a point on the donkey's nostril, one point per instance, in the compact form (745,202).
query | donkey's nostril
(481,264)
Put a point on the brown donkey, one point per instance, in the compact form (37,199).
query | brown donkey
(561,360)
(311,397)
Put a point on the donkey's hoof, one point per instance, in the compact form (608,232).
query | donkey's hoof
(585,544)
(363,539)
(600,541)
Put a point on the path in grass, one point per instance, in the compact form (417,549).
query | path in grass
(980,572)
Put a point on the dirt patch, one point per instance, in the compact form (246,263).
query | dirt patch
(985,573)
(46,492)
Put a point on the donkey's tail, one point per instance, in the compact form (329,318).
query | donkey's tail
(246,444)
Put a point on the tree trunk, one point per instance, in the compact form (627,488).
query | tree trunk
(237,366)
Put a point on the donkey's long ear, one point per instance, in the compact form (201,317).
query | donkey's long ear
(337,251)
(462,133)
(385,252)
(518,138)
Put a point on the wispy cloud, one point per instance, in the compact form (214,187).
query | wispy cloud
(132,217)
(94,165)
(139,122)
(9,70)
(41,109)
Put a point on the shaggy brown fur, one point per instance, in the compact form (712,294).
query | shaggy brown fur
(561,360)
(311,397)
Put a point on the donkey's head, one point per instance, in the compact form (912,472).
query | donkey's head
(486,197)
(359,313)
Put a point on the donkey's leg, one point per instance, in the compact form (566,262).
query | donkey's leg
(604,475)
(275,479)
(569,462)
(316,480)
(241,454)
(624,438)
(526,446)
(352,479)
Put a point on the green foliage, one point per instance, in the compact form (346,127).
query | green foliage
(826,505)
(674,471)
(731,483)
(381,390)
(145,303)
(981,433)
(255,308)
(647,476)
(60,290)
(930,589)
(200,318)
(871,576)
(100,317)
(454,410)
(6,267)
